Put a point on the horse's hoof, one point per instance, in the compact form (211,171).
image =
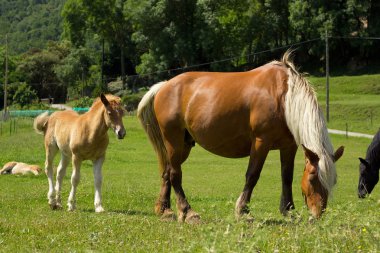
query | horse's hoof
(99,209)
(70,208)
(55,206)
(168,215)
(192,217)
(245,217)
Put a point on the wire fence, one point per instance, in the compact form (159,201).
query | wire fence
(369,119)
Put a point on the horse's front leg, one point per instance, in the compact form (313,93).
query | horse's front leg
(259,152)
(98,179)
(75,178)
(287,168)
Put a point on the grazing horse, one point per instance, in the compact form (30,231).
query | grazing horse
(20,168)
(79,137)
(237,115)
(369,168)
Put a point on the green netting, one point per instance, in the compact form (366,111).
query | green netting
(34,113)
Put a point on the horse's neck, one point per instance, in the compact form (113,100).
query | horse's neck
(94,119)
(373,153)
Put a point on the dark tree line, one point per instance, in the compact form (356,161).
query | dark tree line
(144,41)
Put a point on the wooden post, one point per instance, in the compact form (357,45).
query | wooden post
(327,80)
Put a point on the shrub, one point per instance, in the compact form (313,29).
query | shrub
(82,102)
(131,101)
(24,95)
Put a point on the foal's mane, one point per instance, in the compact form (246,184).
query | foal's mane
(113,100)
(306,122)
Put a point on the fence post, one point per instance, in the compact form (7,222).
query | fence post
(327,80)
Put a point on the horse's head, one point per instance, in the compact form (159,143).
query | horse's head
(315,194)
(36,168)
(114,115)
(368,178)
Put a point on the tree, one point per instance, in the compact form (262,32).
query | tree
(24,95)
(74,70)
(37,68)
(105,18)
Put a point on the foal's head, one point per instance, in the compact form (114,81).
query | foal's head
(114,114)
(315,194)
(368,178)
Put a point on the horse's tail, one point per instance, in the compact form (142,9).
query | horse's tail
(40,123)
(147,117)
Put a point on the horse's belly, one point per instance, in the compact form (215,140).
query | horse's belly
(227,147)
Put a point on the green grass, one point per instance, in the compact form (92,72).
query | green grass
(212,184)
(354,102)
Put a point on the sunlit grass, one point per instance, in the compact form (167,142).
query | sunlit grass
(212,185)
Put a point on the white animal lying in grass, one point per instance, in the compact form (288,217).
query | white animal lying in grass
(20,168)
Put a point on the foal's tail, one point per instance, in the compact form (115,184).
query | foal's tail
(40,123)
(147,117)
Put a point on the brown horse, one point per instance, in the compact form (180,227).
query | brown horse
(79,137)
(237,115)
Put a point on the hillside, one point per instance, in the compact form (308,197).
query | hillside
(30,23)
(354,102)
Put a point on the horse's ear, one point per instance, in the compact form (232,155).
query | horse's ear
(338,153)
(363,161)
(104,100)
(313,157)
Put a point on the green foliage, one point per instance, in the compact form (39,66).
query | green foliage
(24,95)
(30,24)
(131,101)
(82,102)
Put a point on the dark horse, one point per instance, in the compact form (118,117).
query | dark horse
(237,115)
(369,168)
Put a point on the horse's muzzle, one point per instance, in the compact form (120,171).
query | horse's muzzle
(120,133)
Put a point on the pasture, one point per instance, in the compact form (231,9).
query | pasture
(130,188)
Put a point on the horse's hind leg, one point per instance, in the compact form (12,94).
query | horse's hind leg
(61,172)
(287,167)
(259,152)
(51,150)
(163,206)
(98,184)
(178,151)
(75,177)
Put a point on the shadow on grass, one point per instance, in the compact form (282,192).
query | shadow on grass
(115,211)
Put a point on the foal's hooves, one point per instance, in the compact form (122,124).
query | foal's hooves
(55,206)
(168,215)
(192,217)
(99,209)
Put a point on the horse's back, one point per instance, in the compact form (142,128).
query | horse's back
(224,111)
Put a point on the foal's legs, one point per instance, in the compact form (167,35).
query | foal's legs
(287,167)
(61,172)
(51,150)
(98,184)
(259,152)
(75,177)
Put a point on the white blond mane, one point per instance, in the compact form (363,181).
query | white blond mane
(306,122)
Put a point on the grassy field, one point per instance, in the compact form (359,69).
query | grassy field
(354,102)
(212,185)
